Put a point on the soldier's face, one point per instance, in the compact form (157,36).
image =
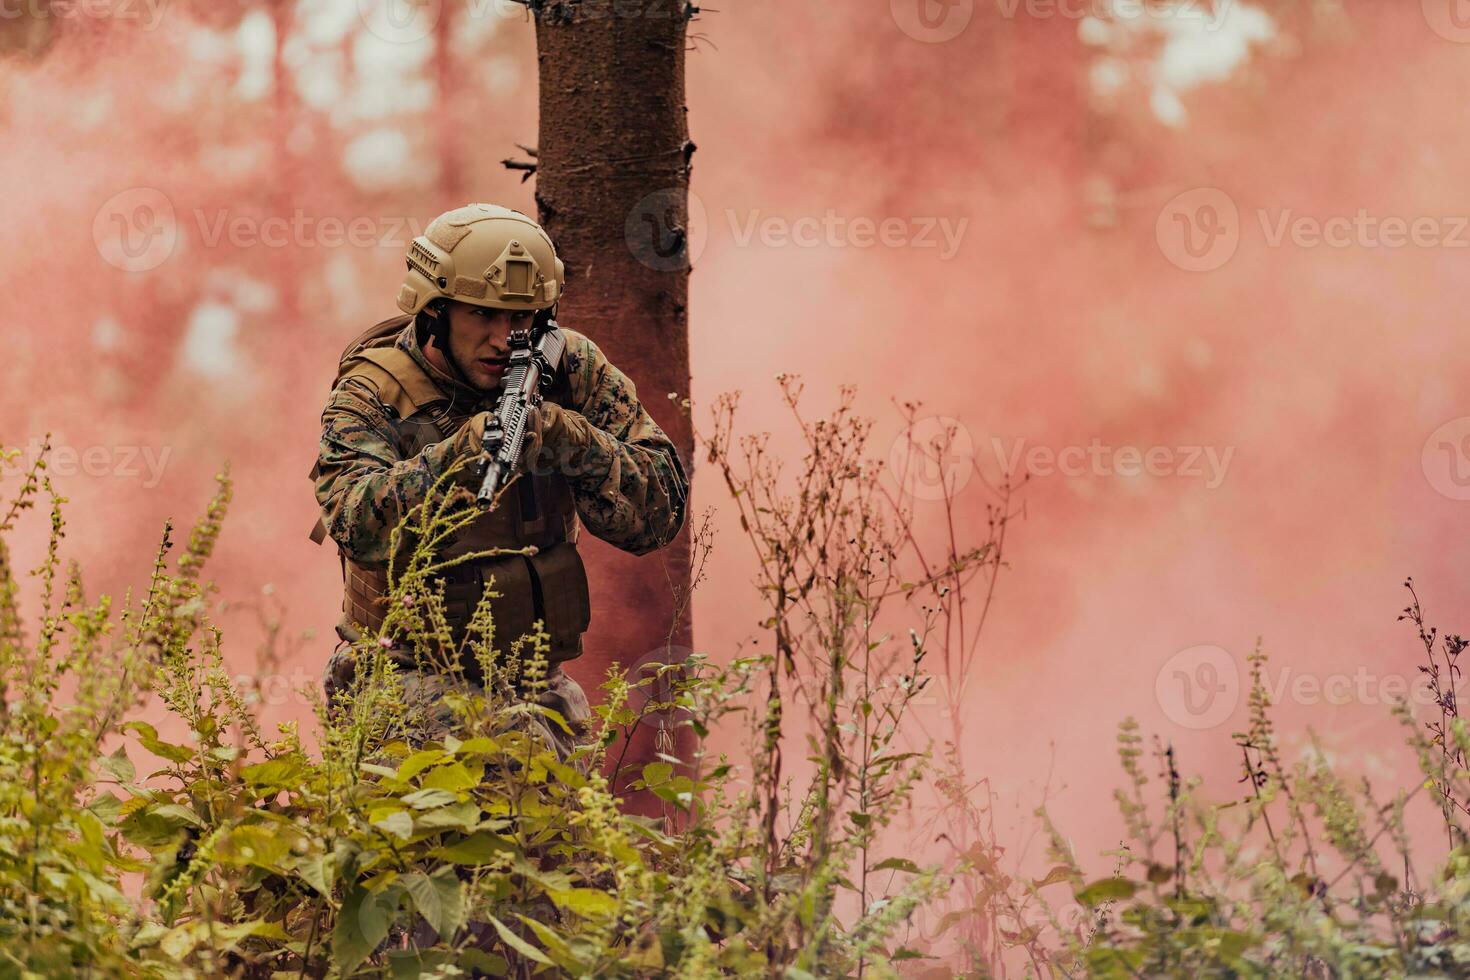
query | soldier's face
(479,339)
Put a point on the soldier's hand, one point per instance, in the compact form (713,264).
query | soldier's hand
(473,435)
(541,419)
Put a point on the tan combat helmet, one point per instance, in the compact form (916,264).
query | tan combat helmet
(486,255)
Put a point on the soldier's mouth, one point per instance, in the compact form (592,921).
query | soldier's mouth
(494,367)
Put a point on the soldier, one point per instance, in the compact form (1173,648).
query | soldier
(413,396)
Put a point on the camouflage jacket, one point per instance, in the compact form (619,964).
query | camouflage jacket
(629,485)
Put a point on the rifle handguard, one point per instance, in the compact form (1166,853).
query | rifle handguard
(534,363)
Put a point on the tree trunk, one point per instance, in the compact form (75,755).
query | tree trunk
(612,183)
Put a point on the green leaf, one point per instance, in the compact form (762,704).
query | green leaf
(148,738)
(904,953)
(94,836)
(460,816)
(262,847)
(361,925)
(454,777)
(553,716)
(558,948)
(1106,890)
(487,963)
(657,773)
(176,815)
(439,899)
(586,902)
(479,848)
(479,746)
(119,765)
(407,964)
(318,870)
(107,806)
(428,799)
(397,823)
(897,864)
(1056,875)
(517,943)
(418,762)
(280,773)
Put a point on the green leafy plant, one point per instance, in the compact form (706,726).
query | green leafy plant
(1307,875)
(373,851)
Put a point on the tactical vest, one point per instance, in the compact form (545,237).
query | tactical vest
(550,585)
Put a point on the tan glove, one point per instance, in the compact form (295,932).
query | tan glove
(470,439)
(544,428)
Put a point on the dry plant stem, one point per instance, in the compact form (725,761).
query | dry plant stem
(1443,685)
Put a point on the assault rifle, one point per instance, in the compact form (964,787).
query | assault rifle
(535,358)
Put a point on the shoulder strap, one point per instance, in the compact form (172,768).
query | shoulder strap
(400,382)
(380,334)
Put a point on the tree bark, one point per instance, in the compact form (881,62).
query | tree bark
(612,182)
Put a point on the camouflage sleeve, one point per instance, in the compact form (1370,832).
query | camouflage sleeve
(364,487)
(626,476)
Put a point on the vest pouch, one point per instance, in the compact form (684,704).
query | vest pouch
(513,607)
(563,593)
(550,585)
